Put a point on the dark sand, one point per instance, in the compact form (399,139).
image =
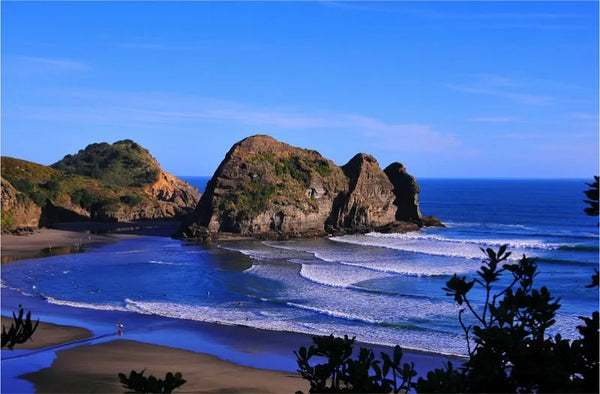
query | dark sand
(48,334)
(95,368)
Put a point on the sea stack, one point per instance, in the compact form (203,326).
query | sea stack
(268,189)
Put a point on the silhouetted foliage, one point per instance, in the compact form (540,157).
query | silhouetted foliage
(592,195)
(512,352)
(20,329)
(343,374)
(149,384)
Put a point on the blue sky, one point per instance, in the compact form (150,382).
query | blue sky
(468,89)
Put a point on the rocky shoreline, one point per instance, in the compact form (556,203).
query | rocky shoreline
(267,189)
(263,189)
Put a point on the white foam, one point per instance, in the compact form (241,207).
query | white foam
(282,321)
(415,269)
(480,242)
(338,276)
(333,313)
(445,247)
(163,262)
(85,305)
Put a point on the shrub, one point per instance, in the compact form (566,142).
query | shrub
(592,195)
(130,199)
(84,198)
(38,197)
(512,352)
(341,373)
(20,330)
(23,185)
(149,384)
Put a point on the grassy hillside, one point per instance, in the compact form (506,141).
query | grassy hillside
(81,195)
(124,163)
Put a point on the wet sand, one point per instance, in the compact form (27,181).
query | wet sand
(48,334)
(47,242)
(95,368)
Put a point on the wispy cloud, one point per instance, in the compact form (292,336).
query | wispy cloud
(492,18)
(584,116)
(496,119)
(173,111)
(45,63)
(164,47)
(504,88)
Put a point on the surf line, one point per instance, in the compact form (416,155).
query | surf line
(60,346)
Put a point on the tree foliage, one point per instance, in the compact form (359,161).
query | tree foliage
(343,374)
(20,329)
(139,383)
(509,348)
(592,195)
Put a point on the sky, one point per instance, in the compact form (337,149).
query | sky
(451,89)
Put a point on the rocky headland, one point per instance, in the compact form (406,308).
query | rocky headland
(268,189)
(121,182)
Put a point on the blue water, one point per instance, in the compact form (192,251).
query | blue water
(382,288)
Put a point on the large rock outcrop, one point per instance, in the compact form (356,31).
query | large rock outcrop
(406,191)
(266,188)
(120,182)
(126,163)
(367,201)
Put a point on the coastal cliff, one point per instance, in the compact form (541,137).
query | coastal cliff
(268,189)
(120,182)
(19,212)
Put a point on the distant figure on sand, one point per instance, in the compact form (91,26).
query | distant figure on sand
(119,328)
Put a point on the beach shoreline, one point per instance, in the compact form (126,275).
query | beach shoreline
(74,237)
(263,351)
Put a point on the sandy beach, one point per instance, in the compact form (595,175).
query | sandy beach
(77,349)
(95,368)
(47,242)
(48,334)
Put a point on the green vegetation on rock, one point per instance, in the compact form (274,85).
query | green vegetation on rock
(124,163)
(253,198)
(66,196)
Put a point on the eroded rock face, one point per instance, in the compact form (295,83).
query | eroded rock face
(266,188)
(18,210)
(406,190)
(367,202)
(180,197)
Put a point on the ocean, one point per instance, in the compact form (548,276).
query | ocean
(385,289)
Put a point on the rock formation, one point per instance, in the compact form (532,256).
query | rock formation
(126,163)
(18,210)
(367,201)
(119,182)
(266,188)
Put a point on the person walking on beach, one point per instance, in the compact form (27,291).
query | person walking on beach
(119,328)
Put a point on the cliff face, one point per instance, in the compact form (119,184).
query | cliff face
(119,182)
(267,188)
(18,210)
(406,191)
(367,202)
